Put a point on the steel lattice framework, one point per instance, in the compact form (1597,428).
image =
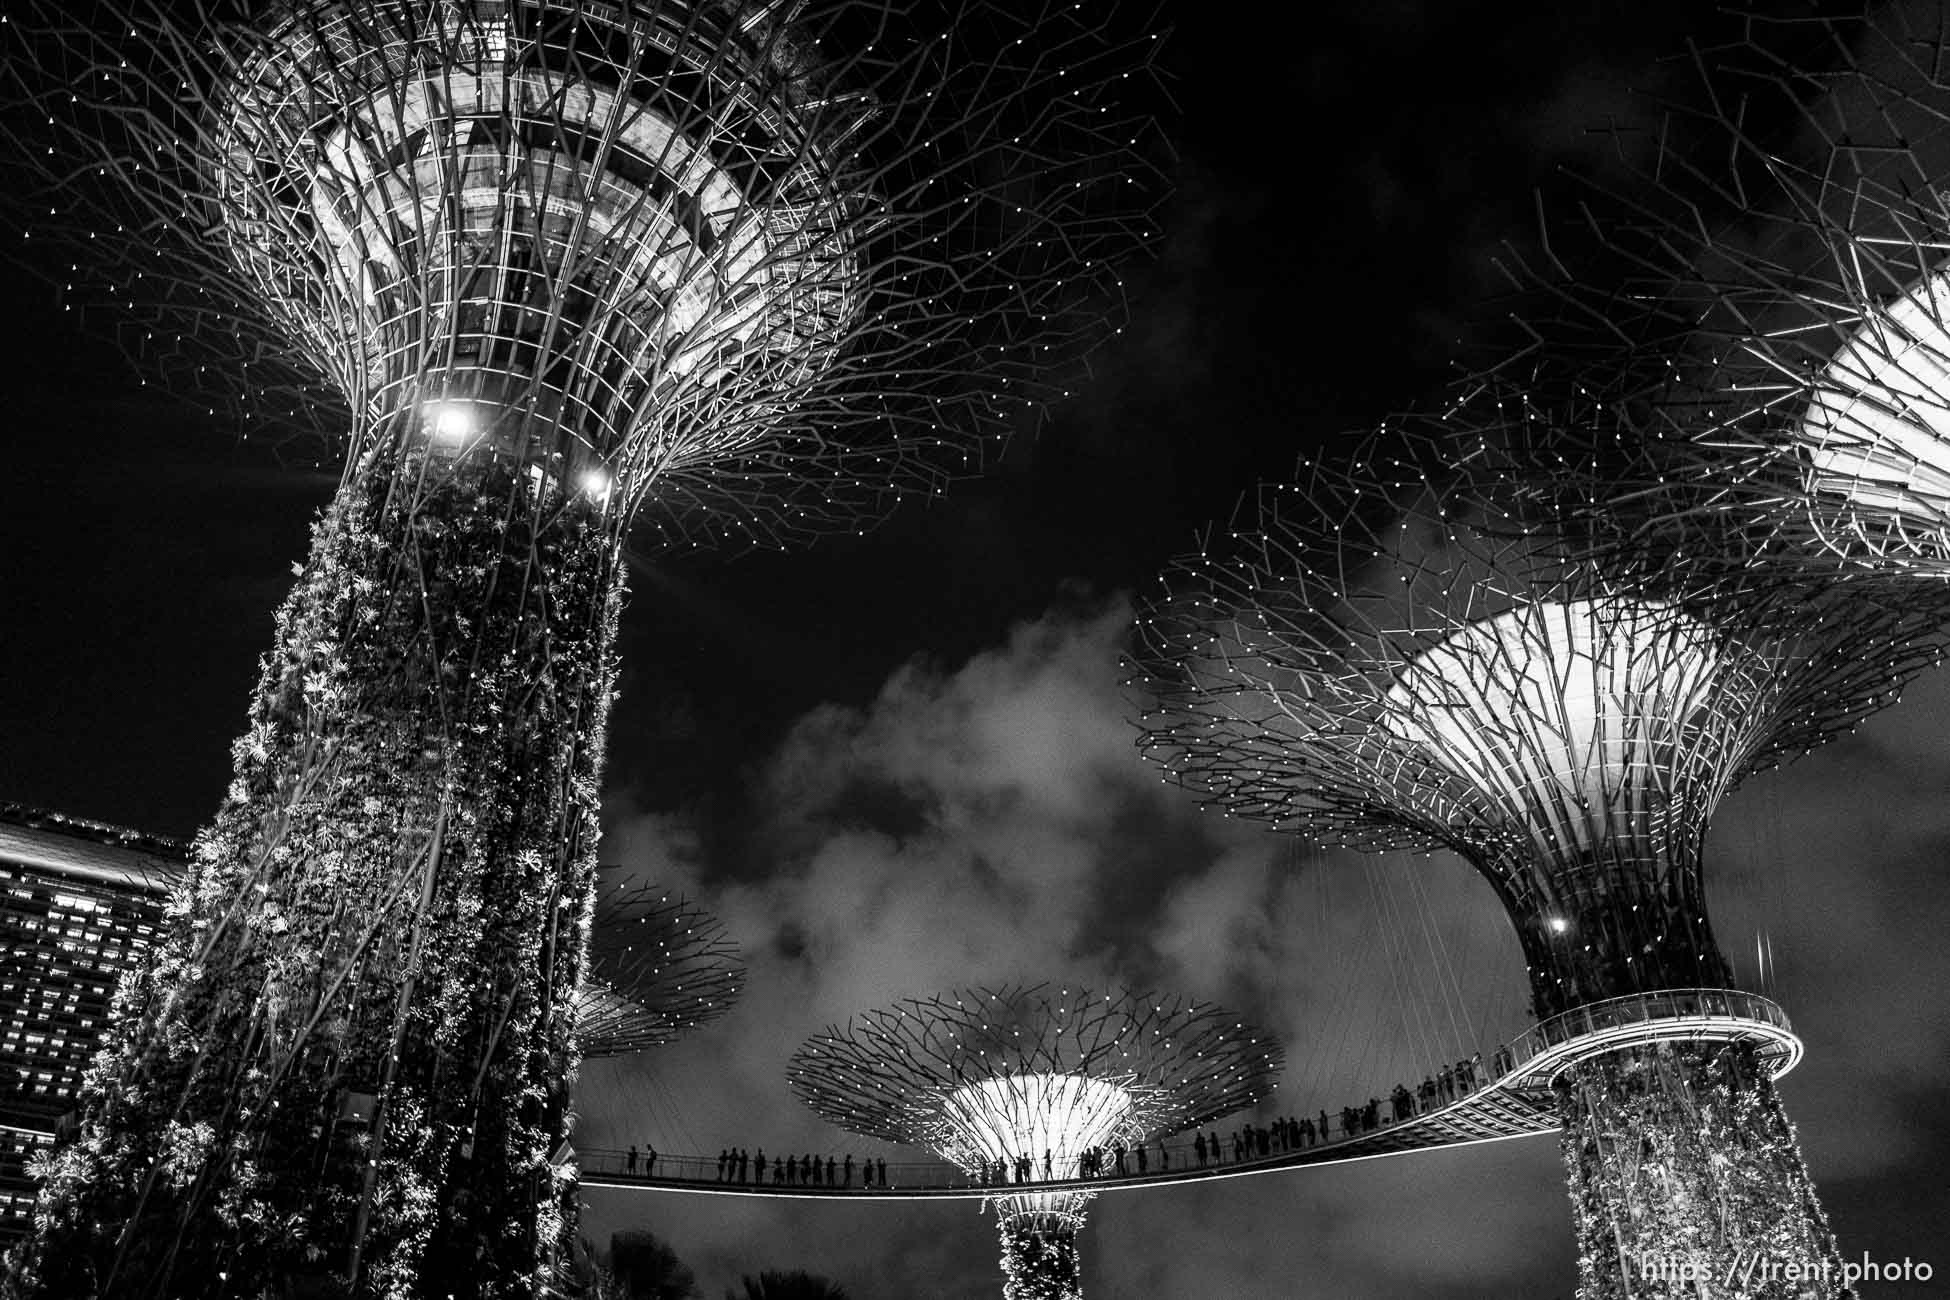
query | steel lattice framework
(659,967)
(1746,337)
(990,1077)
(758,266)
(533,270)
(1379,659)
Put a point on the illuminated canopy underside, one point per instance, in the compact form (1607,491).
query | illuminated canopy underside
(1063,1115)
(1877,428)
(999,1074)
(1570,720)
(497,230)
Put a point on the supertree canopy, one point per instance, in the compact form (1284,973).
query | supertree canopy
(1032,1079)
(533,268)
(1762,304)
(1373,660)
(658,967)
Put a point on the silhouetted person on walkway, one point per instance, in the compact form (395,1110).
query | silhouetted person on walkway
(846,1171)
(1198,1147)
(760,1164)
(883,1173)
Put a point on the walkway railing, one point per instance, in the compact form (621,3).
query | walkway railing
(1508,1098)
(1670,1015)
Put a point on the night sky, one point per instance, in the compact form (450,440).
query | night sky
(902,764)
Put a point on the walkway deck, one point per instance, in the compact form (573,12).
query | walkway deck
(1515,1101)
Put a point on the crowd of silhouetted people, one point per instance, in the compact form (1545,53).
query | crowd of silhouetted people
(736,1165)
(1248,1143)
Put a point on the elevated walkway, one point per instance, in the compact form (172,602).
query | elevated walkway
(1514,1100)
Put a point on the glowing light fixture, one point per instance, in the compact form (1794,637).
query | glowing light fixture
(451,422)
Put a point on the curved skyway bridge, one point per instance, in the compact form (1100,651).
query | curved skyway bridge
(1512,1098)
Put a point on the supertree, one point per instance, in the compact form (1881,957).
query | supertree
(1372,658)
(1750,317)
(991,1078)
(533,268)
(658,967)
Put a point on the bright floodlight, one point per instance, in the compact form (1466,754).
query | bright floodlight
(1033,1078)
(529,272)
(596,483)
(1378,662)
(452,422)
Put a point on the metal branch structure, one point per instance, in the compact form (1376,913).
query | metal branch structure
(1761,306)
(533,270)
(1373,660)
(658,967)
(1022,1084)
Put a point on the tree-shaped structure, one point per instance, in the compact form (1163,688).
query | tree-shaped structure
(658,968)
(1032,1079)
(747,268)
(1754,330)
(1367,662)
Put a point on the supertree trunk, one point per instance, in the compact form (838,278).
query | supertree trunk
(1040,1259)
(347,1069)
(1611,923)
(1686,1180)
